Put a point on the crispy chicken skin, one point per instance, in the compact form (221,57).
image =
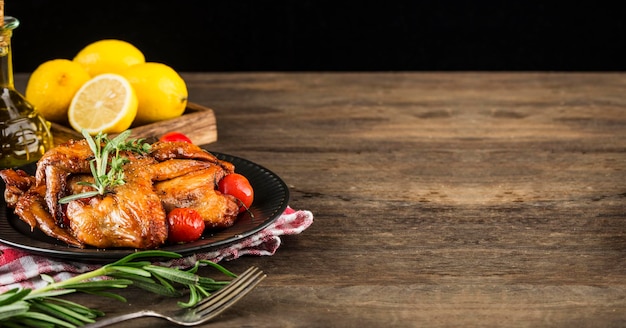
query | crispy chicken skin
(56,165)
(130,216)
(195,190)
(133,214)
(162,151)
(28,202)
(17,181)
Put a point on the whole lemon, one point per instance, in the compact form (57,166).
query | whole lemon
(161,91)
(52,86)
(109,56)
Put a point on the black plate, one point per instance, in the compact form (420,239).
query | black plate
(271,196)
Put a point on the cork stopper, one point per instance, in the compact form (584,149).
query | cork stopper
(1,13)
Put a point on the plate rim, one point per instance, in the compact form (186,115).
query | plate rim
(62,251)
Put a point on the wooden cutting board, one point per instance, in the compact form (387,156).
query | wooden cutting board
(197,122)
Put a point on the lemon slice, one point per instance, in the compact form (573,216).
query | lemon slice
(105,103)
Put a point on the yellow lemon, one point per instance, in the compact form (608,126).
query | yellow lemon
(109,56)
(161,91)
(52,86)
(105,103)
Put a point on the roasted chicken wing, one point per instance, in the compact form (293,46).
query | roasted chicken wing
(196,190)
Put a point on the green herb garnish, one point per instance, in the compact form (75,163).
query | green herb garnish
(107,173)
(42,307)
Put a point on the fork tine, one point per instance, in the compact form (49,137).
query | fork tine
(216,310)
(230,294)
(216,296)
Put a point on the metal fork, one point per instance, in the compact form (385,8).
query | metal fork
(203,311)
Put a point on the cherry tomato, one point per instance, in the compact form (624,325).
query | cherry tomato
(175,136)
(238,186)
(184,225)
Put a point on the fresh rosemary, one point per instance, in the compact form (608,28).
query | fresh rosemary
(42,307)
(107,173)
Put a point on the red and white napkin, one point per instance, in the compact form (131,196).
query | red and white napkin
(19,268)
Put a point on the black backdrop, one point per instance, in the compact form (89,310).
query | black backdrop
(331,35)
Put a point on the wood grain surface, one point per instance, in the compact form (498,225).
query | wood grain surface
(440,199)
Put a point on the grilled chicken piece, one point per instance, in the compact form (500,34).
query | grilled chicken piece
(56,165)
(162,151)
(30,206)
(196,190)
(131,215)
(17,182)
(193,188)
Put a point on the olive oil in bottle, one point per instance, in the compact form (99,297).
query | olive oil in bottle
(24,134)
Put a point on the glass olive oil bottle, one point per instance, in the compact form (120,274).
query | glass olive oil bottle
(24,134)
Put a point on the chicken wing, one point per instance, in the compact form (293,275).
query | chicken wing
(196,190)
(129,216)
(29,205)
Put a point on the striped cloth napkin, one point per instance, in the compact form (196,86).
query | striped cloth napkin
(22,269)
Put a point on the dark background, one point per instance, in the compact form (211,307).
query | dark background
(331,35)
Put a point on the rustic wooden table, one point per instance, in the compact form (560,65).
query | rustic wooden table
(440,199)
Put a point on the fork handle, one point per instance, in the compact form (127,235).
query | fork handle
(109,321)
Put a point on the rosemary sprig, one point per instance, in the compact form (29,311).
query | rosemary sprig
(42,307)
(107,173)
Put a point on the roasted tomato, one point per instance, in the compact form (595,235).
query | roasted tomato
(184,225)
(237,185)
(175,136)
